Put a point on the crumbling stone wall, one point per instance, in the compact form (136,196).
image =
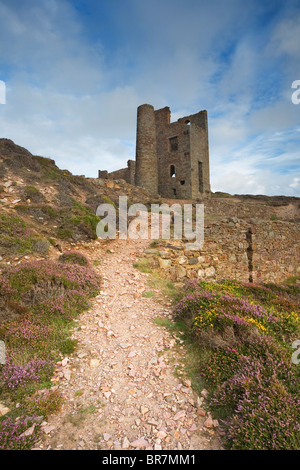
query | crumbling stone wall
(234,248)
(235,207)
(126,174)
(276,250)
(103,174)
(173,153)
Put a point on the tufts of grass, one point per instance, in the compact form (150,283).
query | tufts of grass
(65,233)
(67,346)
(143,265)
(164,322)
(74,222)
(220,194)
(192,354)
(43,404)
(74,257)
(80,416)
(148,294)
(165,286)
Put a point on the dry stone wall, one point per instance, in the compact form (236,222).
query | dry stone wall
(242,239)
(234,248)
(276,250)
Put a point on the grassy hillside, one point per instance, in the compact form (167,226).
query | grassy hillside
(50,203)
(42,211)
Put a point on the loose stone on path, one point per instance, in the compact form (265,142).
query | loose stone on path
(119,387)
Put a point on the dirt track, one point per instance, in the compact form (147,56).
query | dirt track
(119,386)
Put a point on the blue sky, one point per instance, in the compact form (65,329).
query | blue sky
(75,72)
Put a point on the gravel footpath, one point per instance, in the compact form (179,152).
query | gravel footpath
(119,387)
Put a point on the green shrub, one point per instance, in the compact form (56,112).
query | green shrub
(73,257)
(67,346)
(64,233)
(45,404)
(17,238)
(32,193)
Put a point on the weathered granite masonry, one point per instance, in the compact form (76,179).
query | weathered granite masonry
(172,159)
(248,238)
(146,171)
(234,248)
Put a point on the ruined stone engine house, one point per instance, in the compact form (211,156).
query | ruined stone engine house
(172,159)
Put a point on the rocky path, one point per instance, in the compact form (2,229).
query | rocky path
(119,387)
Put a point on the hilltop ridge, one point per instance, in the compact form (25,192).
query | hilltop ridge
(52,209)
(56,205)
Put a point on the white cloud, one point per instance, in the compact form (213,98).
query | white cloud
(73,99)
(286,36)
(295,183)
(94,130)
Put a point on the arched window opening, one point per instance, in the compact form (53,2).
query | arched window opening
(172,171)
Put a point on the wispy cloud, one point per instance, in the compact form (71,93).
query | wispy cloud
(76,72)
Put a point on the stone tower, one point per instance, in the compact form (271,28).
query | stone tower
(172,159)
(146,173)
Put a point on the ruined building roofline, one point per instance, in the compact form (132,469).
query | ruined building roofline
(167,109)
